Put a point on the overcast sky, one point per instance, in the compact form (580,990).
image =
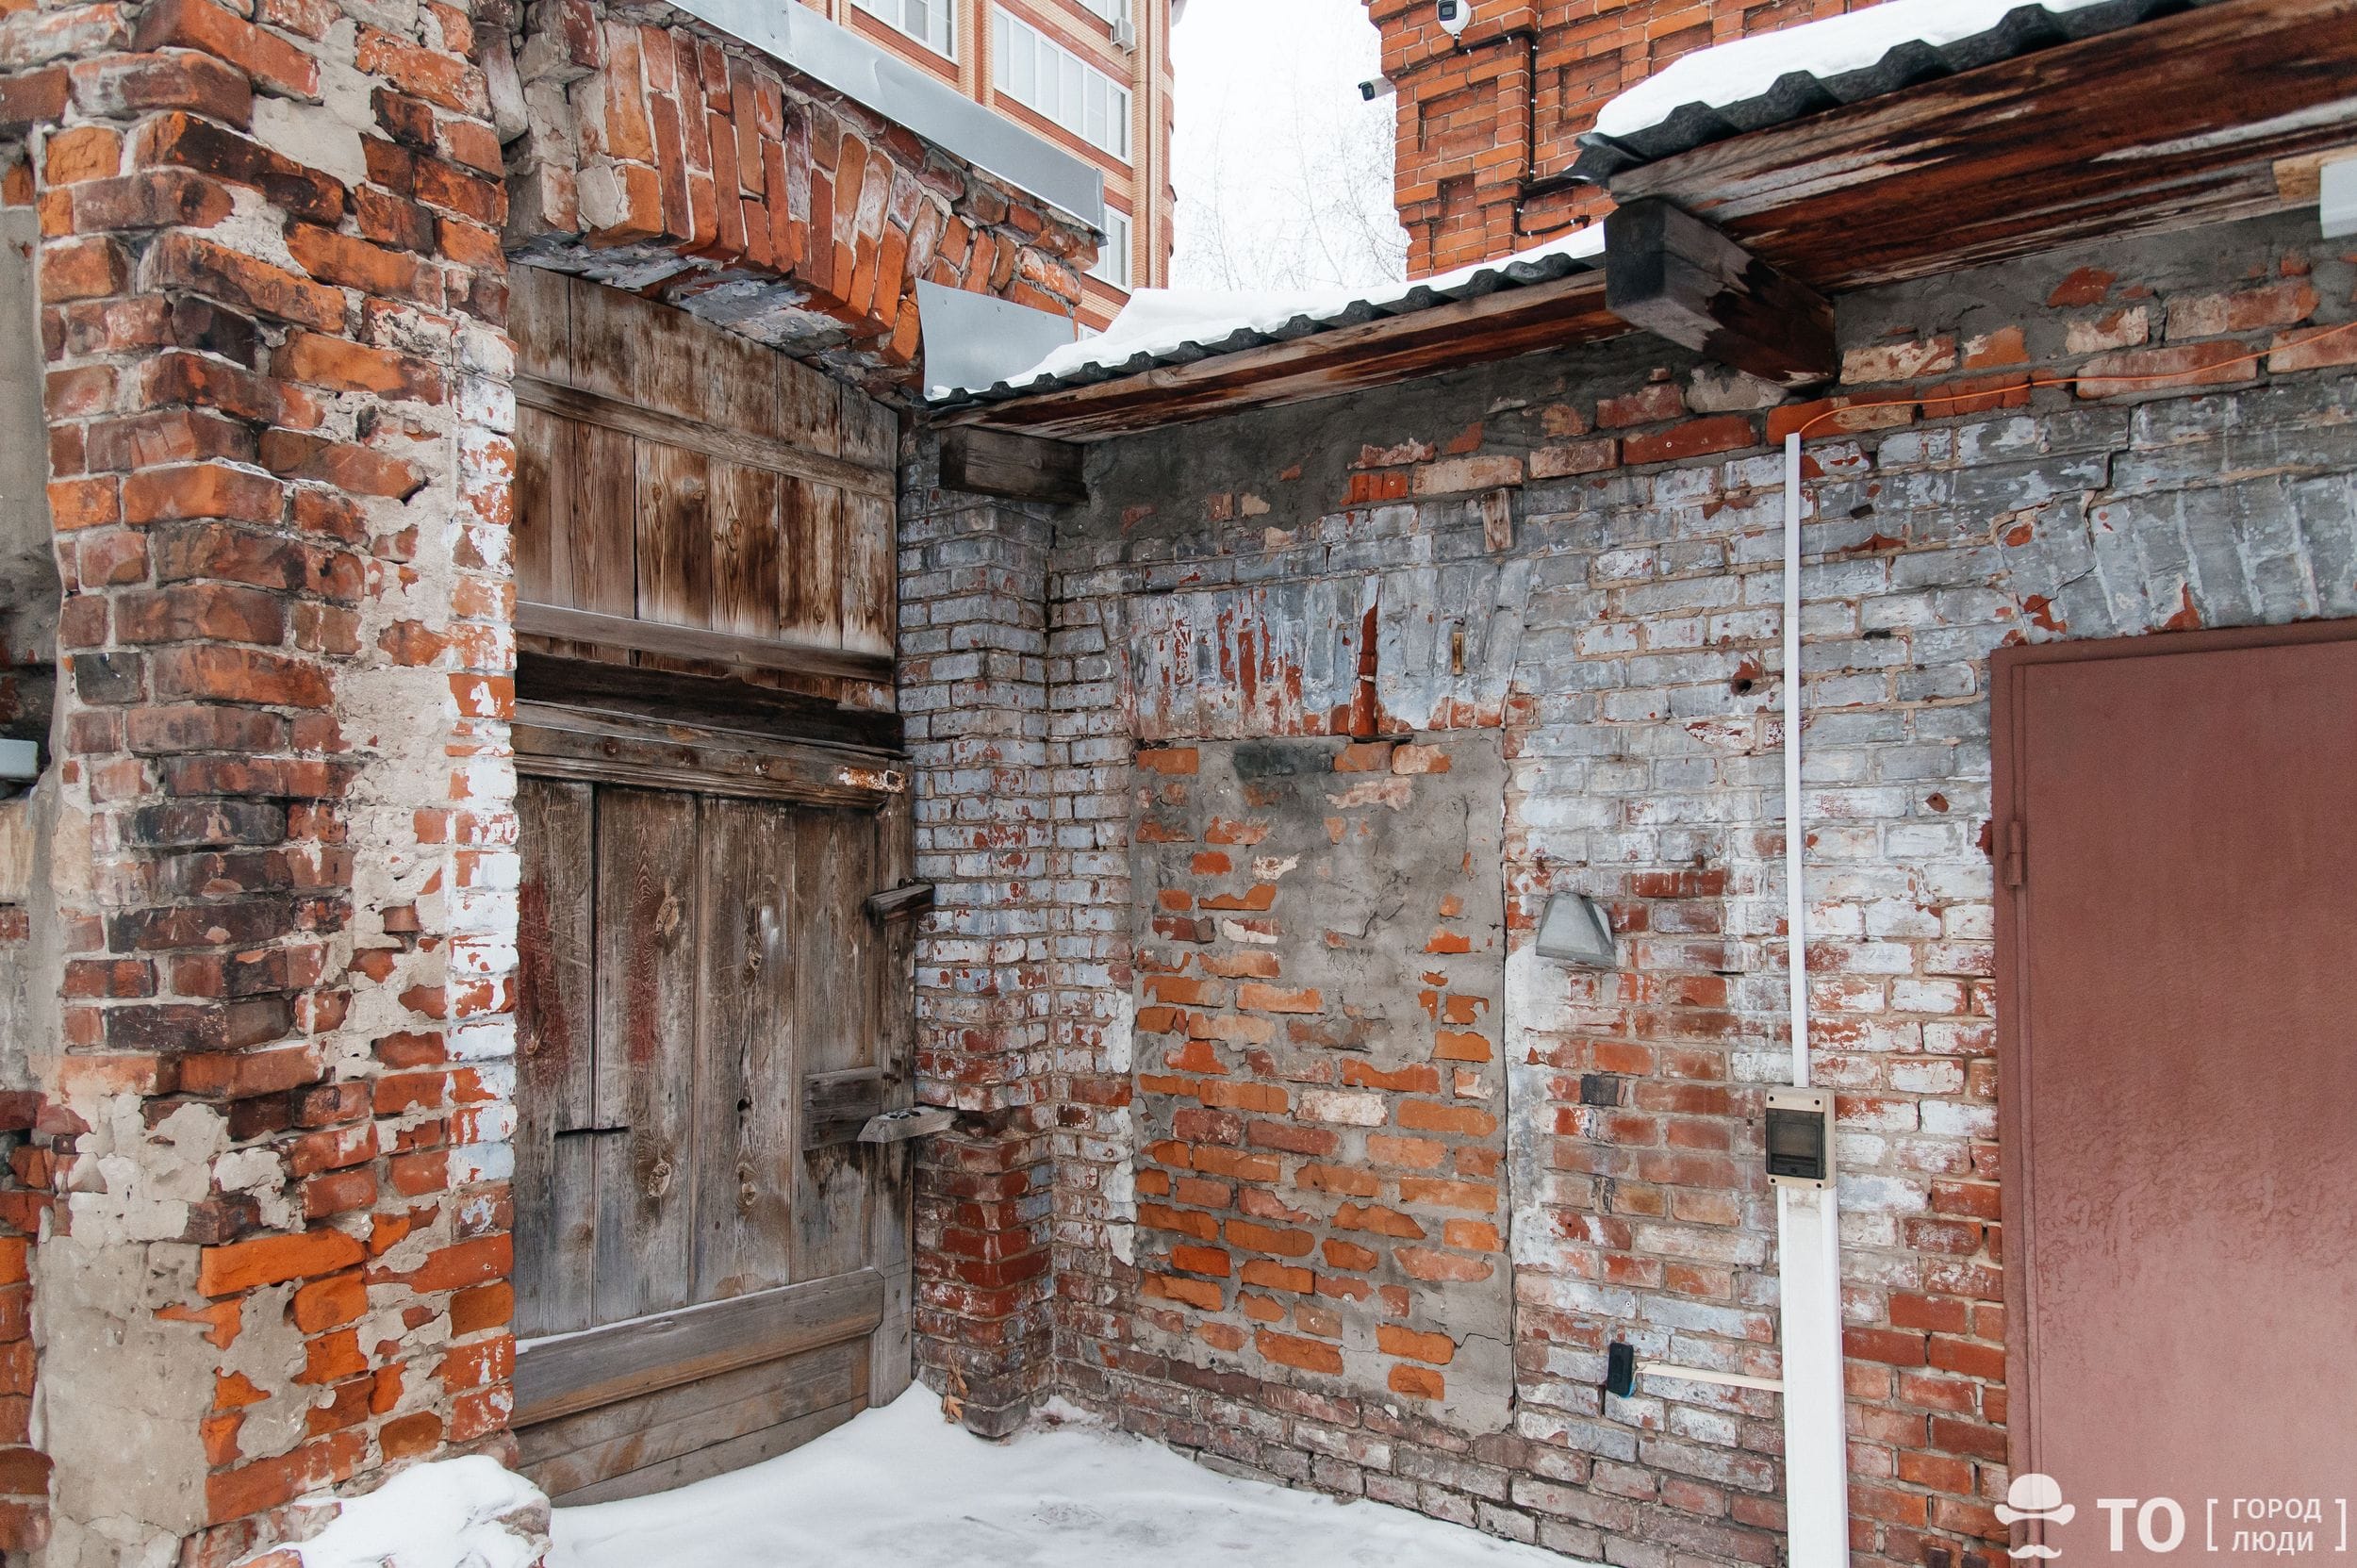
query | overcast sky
(1283,171)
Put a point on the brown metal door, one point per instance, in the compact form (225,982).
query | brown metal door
(2176,825)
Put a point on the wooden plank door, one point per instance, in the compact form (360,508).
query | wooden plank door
(2176,828)
(702,1278)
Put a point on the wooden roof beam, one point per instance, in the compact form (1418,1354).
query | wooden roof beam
(1013,467)
(1674,275)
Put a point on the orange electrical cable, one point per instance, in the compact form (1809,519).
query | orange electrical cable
(2250,359)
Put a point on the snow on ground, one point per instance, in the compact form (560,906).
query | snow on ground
(1745,68)
(469,1512)
(1157,321)
(901,1487)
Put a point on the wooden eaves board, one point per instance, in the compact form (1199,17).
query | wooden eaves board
(2171,124)
(2168,124)
(1497,325)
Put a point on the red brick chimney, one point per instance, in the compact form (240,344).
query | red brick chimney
(1489,120)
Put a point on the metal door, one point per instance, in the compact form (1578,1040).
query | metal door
(2176,831)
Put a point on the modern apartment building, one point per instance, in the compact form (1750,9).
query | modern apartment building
(1092,75)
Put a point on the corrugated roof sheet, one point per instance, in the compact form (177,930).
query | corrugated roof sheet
(1797,94)
(1580,252)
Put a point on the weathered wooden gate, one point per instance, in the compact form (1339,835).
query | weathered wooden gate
(710,1267)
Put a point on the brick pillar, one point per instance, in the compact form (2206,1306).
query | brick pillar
(974,699)
(281,839)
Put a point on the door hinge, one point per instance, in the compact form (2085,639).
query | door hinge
(2016,870)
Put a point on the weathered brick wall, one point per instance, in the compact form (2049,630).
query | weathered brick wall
(973,697)
(1489,119)
(1582,553)
(654,154)
(274,1066)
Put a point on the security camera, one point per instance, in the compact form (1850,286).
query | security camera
(1456,15)
(1375,86)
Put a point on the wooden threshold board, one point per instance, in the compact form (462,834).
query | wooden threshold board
(597,1367)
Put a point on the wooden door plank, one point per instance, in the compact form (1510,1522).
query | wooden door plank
(674,537)
(892,972)
(871,431)
(746,525)
(544,506)
(870,570)
(539,319)
(816,1377)
(810,591)
(646,991)
(622,1361)
(810,407)
(721,442)
(637,1433)
(823,660)
(745,1070)
(555,1057)
(604,511)
(720,1458)
(833,877)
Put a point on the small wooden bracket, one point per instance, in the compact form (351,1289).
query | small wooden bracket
(896,904)
(1017,468)
(836,1107)
(918,1121)
(1669,273)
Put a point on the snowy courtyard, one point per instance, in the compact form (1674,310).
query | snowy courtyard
(900,1486)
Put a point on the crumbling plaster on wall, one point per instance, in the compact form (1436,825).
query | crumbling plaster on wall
(1621,511)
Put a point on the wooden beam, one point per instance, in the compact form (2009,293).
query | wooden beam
(2172,124)
(896,904)
(578,1372)
(836,1106)
(1677,277)
(731,446)
(1013,467)
(1497,325)
(719,701)
(697,642)
(558,743)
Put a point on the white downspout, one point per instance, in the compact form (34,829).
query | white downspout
(1808,1259)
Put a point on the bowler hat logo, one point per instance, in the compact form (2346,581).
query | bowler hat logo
(2039,1498)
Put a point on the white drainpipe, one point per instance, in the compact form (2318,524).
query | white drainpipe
(1808,1259)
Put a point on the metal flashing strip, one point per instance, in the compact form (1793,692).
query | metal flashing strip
(975,340)
(1798,94)
(1546,265)
(796,36)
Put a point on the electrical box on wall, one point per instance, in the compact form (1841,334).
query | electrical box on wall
(1800,1137)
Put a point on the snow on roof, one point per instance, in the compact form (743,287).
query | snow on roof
(1751,83)
(1181,325)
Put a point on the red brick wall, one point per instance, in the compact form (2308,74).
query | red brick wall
(277,1096)
(1484,116)
(656,157)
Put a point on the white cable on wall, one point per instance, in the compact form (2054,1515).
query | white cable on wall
(1808,1259)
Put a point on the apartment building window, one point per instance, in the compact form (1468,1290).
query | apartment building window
(1037,72)
(1113,262)
(926,21)
(1114,11)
